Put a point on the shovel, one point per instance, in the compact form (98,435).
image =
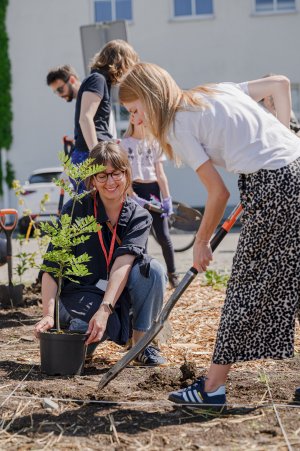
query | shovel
(164,314)
(3,254)
(12,294)
(183,218)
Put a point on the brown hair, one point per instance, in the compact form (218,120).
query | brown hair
(110,152)
(115,59)
(162,98)
(61,73)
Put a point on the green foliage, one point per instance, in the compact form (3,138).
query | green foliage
(79,172)
(19,192)
(5,83)
(263,378)
(10,174)
(66,233)
(215,279)
(26,260)
(45,199)
(5,92)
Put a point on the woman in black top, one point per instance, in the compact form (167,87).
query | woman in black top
(93,103)
(123,277)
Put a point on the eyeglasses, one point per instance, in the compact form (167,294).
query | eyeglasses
(102,177)
(60,89)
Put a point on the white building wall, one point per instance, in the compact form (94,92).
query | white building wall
(42,34)
(235,44)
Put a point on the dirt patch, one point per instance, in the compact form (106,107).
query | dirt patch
(160,380)
(132,412)
(189,373)
(166,379)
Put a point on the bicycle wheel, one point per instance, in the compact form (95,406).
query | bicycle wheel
(183,242)
(184,222)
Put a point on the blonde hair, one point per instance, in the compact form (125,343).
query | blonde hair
(110,152)
(115,59)
(162,98)
(129,131)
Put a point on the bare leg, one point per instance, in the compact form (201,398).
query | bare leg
(216,376)
(136,336)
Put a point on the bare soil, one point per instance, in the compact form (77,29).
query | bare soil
(132,412)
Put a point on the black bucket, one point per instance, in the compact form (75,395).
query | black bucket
(62,354)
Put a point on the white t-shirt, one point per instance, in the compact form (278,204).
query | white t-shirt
(234,132)
(142,155)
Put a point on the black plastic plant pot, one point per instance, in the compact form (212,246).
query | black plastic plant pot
(11,295)
(62,354)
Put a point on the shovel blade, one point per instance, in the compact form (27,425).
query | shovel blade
(152,332)
(185,218)
(131,354)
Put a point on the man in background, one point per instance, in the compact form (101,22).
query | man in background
(64,81)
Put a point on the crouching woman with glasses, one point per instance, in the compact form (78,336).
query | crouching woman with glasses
(123,294)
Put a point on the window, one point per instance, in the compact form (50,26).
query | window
(183,8)
(45,177)
(109,10)
(274,5)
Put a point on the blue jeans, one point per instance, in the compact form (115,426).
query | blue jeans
(77,157)
(77,325)
(146,296)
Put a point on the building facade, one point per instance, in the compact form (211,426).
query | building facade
(197,41)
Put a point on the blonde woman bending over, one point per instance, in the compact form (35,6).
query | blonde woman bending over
(223,125)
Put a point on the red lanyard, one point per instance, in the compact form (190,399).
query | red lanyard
(108,256)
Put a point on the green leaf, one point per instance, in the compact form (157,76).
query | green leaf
(215,279)
(51,270)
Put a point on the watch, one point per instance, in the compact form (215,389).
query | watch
(109,306)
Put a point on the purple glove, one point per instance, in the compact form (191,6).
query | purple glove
(167,206)
(139,200)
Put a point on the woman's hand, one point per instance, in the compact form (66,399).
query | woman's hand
(46,323)
(202,254)
(167,207)
(139,200)
(97,326)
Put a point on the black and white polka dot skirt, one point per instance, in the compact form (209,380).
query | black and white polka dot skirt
(262,299)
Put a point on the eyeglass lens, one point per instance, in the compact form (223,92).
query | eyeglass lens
(103,177)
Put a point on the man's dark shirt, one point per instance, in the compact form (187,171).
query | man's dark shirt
(97,83)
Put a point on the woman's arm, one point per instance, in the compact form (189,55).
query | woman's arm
(89,105)
(277,86)
(117,280)
(214,210)
(162,179)
(49,290)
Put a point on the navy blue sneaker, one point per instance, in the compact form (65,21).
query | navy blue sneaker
(150,356)
(297,394)
(196,398)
